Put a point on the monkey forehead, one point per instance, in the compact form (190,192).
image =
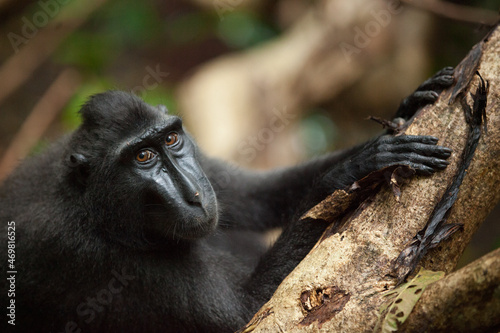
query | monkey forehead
(118,109)
(114,117)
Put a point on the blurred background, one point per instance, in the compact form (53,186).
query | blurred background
(260,83)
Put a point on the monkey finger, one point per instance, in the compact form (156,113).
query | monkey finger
(442,79)
(405,139)
(432,162)
(421,169)
(423,149)
(449,70)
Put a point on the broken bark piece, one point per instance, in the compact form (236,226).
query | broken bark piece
(340,202)
(321,305)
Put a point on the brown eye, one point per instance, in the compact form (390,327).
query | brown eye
(144,156)
(171,139)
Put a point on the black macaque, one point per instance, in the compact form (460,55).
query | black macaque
(122,225)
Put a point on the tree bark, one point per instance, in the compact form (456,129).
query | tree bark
(338,286)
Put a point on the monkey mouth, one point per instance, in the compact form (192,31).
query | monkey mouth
(181,220)
(198,221)
(198,229)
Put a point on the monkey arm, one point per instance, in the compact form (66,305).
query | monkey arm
(262,200)
(273,198)
(270,199)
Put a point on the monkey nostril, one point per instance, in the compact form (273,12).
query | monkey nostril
(195,199)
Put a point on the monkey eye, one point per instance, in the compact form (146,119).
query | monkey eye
(171,139)
(144,155)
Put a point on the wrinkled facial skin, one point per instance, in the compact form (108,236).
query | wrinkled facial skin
(178,199)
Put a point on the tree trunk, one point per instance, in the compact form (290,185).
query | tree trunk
(338,286)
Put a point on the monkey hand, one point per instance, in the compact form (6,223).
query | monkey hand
(426,93)
(418,152)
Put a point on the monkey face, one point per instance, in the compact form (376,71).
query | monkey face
(143,169)
(179,200)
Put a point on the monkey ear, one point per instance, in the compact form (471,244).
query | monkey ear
(79,168)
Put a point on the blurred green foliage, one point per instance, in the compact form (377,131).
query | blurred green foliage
(88,51)
(240,29)
(185,28)
(118,26)
(129,23)
(318,132)
(121,26)
(163,96)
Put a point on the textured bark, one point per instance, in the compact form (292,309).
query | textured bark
(352,267)
(467,300)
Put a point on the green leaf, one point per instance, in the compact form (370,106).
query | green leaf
(401,301)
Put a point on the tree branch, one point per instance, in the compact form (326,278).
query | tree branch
(467,300)
(338,286)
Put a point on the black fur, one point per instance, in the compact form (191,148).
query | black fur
(107,244)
